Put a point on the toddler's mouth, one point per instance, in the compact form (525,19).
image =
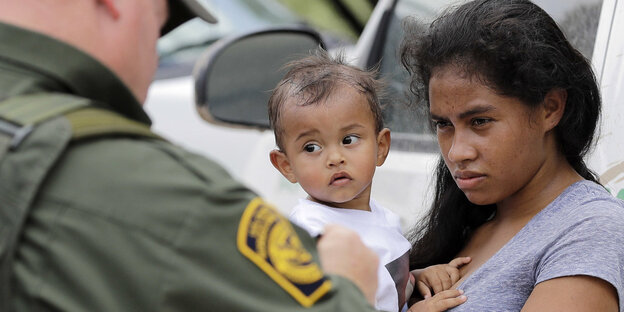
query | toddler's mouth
(340,178)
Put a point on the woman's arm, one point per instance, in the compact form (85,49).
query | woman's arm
(573,293)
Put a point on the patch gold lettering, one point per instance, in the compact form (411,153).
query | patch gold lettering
(268,239)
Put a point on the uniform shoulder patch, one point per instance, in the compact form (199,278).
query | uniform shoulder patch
(268,239)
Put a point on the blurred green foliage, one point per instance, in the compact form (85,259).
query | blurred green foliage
(342,18)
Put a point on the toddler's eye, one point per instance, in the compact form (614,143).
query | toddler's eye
(310,148)
(350,139)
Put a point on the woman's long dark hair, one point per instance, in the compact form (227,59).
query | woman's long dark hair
(517,50)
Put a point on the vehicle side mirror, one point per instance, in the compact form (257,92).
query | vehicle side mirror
(235,76)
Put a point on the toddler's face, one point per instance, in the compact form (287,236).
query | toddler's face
(331,148)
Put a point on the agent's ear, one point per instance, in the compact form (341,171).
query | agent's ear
(282,164)
(383,145)
(553,107)
(111,7)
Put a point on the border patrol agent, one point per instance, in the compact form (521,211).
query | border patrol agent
(97,213)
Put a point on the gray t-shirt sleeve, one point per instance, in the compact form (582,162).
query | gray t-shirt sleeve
(591,245)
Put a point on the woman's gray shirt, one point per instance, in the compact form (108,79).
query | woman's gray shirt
(580,233)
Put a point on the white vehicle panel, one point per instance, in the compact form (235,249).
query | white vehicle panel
(608,157)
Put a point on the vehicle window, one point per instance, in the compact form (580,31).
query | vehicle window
(400,115)
(577,18)
(338,22)
(180,48)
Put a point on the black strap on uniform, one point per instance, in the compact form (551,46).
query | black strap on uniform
(34,132)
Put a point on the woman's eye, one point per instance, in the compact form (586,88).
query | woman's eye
(350,139)
(480,121)
(440,124)
(311,148)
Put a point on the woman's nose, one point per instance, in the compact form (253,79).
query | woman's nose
(461,149)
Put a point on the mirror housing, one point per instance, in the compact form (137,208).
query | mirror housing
(235,76)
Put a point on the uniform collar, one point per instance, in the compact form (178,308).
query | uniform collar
(74,70)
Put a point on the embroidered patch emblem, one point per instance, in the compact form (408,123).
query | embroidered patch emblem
(268,239)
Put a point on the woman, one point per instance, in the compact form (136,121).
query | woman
(515,107)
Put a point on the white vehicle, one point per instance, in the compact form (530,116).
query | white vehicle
(608,157)
(234,76)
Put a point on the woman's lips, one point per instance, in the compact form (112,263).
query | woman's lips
(468,180)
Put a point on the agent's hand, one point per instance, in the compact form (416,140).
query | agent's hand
(440,302)
(342,252)
(437,278)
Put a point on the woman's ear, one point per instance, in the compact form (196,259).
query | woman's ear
(383,145)
(282,164)
(553,107)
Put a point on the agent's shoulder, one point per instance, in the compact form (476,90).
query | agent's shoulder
(137,182)
(124,156)
(127,171)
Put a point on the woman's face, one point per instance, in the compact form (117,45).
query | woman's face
(490,143)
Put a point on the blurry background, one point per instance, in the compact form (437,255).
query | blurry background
(340,23)
(369,32)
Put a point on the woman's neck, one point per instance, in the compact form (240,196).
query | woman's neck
(543,189)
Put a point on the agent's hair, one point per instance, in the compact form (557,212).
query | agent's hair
(516,49)
(313,79)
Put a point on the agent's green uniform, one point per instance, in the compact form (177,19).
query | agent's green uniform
(136,224)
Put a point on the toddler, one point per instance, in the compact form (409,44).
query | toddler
(330,136)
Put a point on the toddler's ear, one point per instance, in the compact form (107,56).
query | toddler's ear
(111,8)
(383,145)
(282,164)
